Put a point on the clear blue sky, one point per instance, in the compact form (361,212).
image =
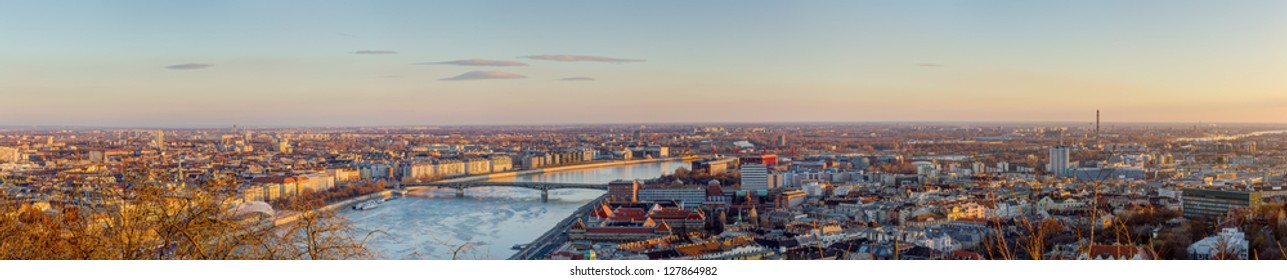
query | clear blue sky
(203,63)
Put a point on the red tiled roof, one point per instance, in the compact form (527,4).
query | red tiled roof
(966,255)
(640,230)
(602,212)
(628,214)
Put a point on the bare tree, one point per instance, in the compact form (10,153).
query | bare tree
(147,217)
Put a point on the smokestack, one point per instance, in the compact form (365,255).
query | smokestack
(1096,127)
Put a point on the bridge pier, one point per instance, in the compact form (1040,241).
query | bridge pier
(460,193)
(545,195)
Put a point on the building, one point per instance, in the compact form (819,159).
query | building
(375,171)
(415,171)
(656,151)
(618,231)
(814,189)
(283,146)
(714,165)
(1116,252)
(159,142)
(448,167)
(1098,174)
(1213,204)
(344,174)
(1229,244)
(765,159)
(533,161)
(679,219)
(278,187)
(792,198)
(622,190)
(8,154)
(475,166)
(688,196)
(501,163)
(755,177)
(1059,165)
(316,181)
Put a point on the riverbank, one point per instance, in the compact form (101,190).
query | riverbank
(509,174)
(292,217)
(557,235)
(334,206)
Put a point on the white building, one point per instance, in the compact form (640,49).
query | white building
(755,177)
(476,166)
(374,171)
(317,181)
(501,163)
(159,142)
(1230,241)
(688,196)
(8,154)
(344,174)
(1059,161)
(814,189)
(414,171)
(447,168)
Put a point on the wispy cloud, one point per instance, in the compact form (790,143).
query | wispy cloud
(484,75)
(375,52)
(476,62)
(930,65)
(189,66)
(578,79)
(576,58)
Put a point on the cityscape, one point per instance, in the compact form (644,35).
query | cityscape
(873,191)
(643,132)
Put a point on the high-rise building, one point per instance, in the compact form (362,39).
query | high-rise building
(8,154)
(1059,161)
(782,140)
(284,146)
(755,177)
(159,142)
(622,190)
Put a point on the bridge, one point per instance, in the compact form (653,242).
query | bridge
(541,186)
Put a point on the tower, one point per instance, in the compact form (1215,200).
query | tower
(159,142)
(1096,127)
(1059,161)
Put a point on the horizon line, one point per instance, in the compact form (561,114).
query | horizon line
(229,126)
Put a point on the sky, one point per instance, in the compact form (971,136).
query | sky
(374,63)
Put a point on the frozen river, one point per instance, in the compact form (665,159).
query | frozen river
(429,224)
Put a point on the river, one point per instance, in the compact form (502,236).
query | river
(429,224)
(1228,137)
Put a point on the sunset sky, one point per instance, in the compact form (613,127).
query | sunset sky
(348,63)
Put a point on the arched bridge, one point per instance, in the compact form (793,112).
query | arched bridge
(541,186)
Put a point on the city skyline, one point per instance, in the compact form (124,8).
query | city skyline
(403,63)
